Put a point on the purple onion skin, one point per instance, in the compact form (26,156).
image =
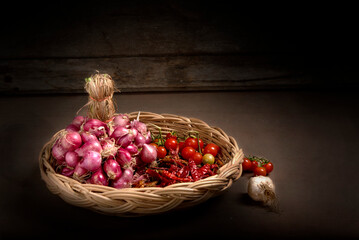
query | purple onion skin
(119,132)
(72,159)
(96,127)
(123,156)
(124,141)
(121,120)
(91,161)
(148,138)
(68,172)
(58,153)
(71,141)
(140,126)
(148,153)
(92,145)
(132,148)
(79,171)
(112,169)
(78,121)
(72,128)
(99,178)
(140,140)
(125,180)
(86,136)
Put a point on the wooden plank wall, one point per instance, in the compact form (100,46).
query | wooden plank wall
(170,46)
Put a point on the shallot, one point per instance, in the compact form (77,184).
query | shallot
(91,161)
(95,126)
(78,121)
(99,178)
(92,145)
(70,141)
(123,157)
(125,180)
(67,171)
(72,128)
(121,120)
(86,136)
(58,153)
(72,159)
(148,153)
(112,169)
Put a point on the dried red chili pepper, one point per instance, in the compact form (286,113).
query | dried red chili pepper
(174,177)
(194,170)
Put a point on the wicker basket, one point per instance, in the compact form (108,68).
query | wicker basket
(149,200)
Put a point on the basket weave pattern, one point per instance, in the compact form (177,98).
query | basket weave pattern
(149,200)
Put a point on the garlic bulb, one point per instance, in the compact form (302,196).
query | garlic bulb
(262,189)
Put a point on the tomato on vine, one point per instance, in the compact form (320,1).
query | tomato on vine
(171,144)
(161,152)
(247,164)
(260,171)
(188,152)
(211,148)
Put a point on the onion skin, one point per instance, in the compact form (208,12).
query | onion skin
(121,120)
(123,157)
(86,136)
(92,145)
(58,153)
(125,180)
(78,121)
(148,138)
(72,128)
(99,178)
(72,159)
(79,171)
(140,126)
(132,148)
(148,153)
(140,140)
(71,141)
(68,172)
(119,132)
(96,127)
(112,169)
(91,161)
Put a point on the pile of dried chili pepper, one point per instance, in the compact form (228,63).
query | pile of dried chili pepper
(186,159)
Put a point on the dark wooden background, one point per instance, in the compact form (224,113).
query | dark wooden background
(50,47)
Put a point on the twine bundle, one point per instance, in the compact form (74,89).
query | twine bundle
(147,200)
(100,88)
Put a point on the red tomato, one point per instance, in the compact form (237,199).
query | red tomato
(171,144)
(181,146)
(197,158)
(188,152)
(171,135)
(255,164)
(154,144)
(212,149)
(247,164)
(191,142)
(161,152)
(260,171)
(269,167)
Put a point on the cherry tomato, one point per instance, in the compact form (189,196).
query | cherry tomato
(181,146)
(171,144)
(260,171)
(269,167)
(197,158)
(255,164)
(208,158)
(247,164)
(191,142)
(171,135)
(212,149)
(188,152)
(154,144)
(161,152)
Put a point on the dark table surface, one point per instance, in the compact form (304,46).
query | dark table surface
(310,136)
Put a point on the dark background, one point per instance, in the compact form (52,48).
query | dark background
(280,79)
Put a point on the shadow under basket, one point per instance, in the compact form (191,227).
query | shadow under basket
(149,200)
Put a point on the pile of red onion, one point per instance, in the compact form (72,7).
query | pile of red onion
(92,151)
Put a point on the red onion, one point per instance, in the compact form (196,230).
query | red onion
(86,136)
(78,121)
(91,161)
(66,171)
(125,180)
(96,127)
(71,141)
(123,157)
(58,153)
(148,153)
(148,138)
(72,159)
(121,120)
(124,141)
(112,169)
(119,132)
(140,126)
(72,128)
(92,145)
(140,140)
(132,148)
(99,178)
(79,171)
